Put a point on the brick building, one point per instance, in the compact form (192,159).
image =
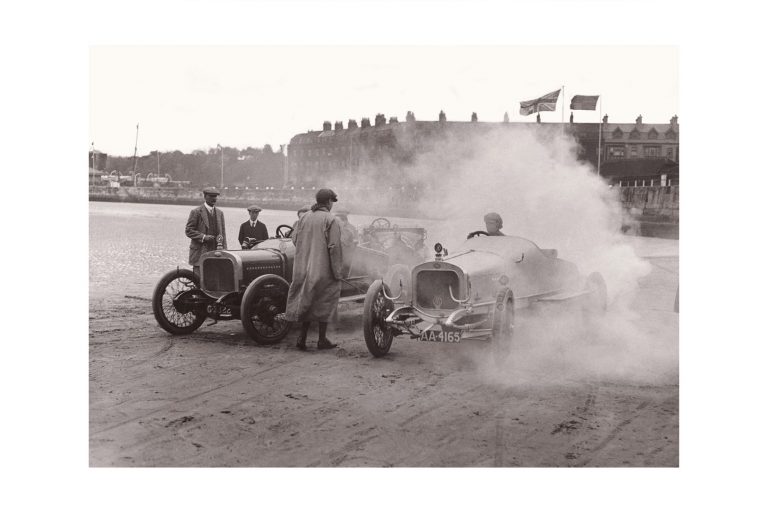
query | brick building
(630,151)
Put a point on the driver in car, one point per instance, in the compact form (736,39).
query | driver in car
(493,224)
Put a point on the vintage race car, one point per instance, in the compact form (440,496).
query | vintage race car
(252,286)
(474,293)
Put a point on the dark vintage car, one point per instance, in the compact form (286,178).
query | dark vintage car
(474,293)
(252,285)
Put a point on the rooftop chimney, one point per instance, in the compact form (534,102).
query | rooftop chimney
(326,126)
(393,119)
(639,120)
(673,121)
(351,124)
(365,123)
(410,117)
(605,119)
(506,117)
(441,117)
(473,119)
(338,126)
(379,120)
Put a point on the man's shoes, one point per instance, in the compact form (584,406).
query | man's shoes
(301,344)
(324,344)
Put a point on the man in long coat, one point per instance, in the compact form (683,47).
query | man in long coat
(204,225)
(316,283)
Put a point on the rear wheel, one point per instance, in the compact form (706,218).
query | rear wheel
(503,327)
(376,308)
(596,301)
(178,302)
(262,310)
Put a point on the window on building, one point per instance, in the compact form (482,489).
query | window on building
(633,151)
(634,134)
(653,134)
(617,133)
(653,151)
(615,151)
(671,153)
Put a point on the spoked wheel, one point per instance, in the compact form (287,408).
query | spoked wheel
(178,303)
(376,308)
(503,327)
(283,231)
(262,310)
(381,222)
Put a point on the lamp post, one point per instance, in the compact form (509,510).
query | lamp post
(222,164)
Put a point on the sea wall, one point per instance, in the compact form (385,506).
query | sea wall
(651,211)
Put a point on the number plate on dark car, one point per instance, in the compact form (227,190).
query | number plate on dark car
(444,336)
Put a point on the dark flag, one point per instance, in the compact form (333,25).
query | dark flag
(546,103)
(584,102)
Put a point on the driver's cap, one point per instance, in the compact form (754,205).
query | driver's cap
(325,194)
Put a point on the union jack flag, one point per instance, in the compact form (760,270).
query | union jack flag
(546,103)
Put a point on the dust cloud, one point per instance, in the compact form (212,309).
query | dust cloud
(532,177)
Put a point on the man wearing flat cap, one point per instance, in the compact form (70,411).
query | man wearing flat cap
(253,230)
(316,284)
(204,227)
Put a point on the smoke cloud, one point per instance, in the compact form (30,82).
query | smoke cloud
(532,177)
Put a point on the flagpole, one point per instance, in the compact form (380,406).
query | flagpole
(562,109)
(599,135)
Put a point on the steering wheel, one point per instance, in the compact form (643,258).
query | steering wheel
(283,233)
(477,233)
(381,222)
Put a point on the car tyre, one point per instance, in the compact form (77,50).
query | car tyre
(503,329)
(596,301)
(376,308)
(262,309)
(177,318)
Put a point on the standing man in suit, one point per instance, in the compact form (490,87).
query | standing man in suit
(204,227)
(252,228)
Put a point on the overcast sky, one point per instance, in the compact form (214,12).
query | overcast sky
(195,97)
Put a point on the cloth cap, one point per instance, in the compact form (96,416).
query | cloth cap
(254,208)
(493,216)
(211,191)
(324,195)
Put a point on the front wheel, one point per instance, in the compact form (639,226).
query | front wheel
(178,302)
(262,310)
(503,327)
(376,308)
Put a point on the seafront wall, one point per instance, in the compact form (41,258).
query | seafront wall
(651,211)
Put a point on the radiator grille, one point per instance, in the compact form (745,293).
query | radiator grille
(432,289)
(218,275)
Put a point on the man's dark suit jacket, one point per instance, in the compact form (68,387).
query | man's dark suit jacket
(197,226)
(247,231)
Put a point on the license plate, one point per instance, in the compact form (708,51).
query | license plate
(448,336)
